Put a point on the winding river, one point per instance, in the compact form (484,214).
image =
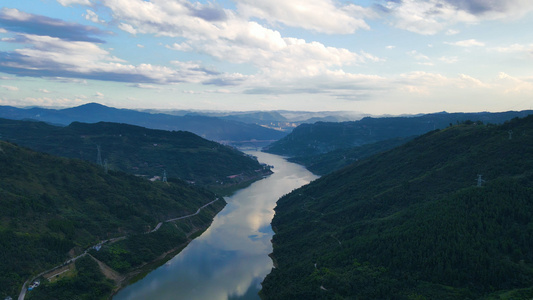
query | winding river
(230,260)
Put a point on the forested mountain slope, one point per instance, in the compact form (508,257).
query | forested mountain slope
(138,150)
(322,137)
(53,208)
(322,164)
(412,223)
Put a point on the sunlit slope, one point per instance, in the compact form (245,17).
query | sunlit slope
(412,223)
(137,150)
(51,205)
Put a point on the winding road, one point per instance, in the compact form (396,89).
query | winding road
(25,285)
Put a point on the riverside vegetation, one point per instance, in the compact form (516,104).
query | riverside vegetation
(54,208)
(412,222)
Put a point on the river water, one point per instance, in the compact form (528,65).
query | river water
(230,259)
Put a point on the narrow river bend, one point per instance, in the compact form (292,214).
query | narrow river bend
(230,259)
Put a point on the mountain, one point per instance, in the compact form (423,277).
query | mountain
(137,150)
(53,208)
(322,164)
(448,215)
(257,117)
(322,137)
(216,129)
(280,120)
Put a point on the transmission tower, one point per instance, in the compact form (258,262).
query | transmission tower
(479,180)
(99,156)
(106,168)
(165,176)
(510,134)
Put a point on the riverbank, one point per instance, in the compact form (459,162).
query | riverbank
(158,242)
(231,259)
(140,272)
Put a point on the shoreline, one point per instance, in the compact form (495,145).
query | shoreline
(142,271)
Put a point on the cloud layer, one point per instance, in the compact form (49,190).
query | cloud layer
(328,49)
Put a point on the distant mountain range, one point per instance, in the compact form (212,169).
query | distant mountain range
(137,150)
(323,137)
(212,128)
(447,215)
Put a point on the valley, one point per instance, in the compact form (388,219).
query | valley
(266,150)
(351,232)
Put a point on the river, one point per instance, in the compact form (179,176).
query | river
(230,259)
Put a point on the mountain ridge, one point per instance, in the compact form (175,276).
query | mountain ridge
(323,137)
(444,216)
(138,150)
(212,128)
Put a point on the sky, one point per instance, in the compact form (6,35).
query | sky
(369,56)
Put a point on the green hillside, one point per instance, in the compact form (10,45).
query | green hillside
(53,208)
(323,137)
(138,150)
(411,223)
(322,164)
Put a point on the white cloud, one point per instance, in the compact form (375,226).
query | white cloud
(467,43)
(2,30)
(144,86)
(515,85)
(492,10)
(93,17)
(82,56)
(43,102)
(128,28)
(432,16)
(140,45)
(325,16)
(44,91)
(180,47)
(449,59)
(53,57)
(515,48)
(226,36)
(426,17)
(10,88)
(452,32)
(71,2)
(417,55)
(219,91)
(99,95)
(470,81)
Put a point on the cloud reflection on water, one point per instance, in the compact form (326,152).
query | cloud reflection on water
(231,258)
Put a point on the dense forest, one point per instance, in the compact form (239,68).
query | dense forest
(323,137)
(138,150)
(53,208)
(448,215)
(322,164)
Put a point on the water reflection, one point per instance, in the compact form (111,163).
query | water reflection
(229,260)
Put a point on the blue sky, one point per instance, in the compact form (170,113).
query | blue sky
(378,57)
